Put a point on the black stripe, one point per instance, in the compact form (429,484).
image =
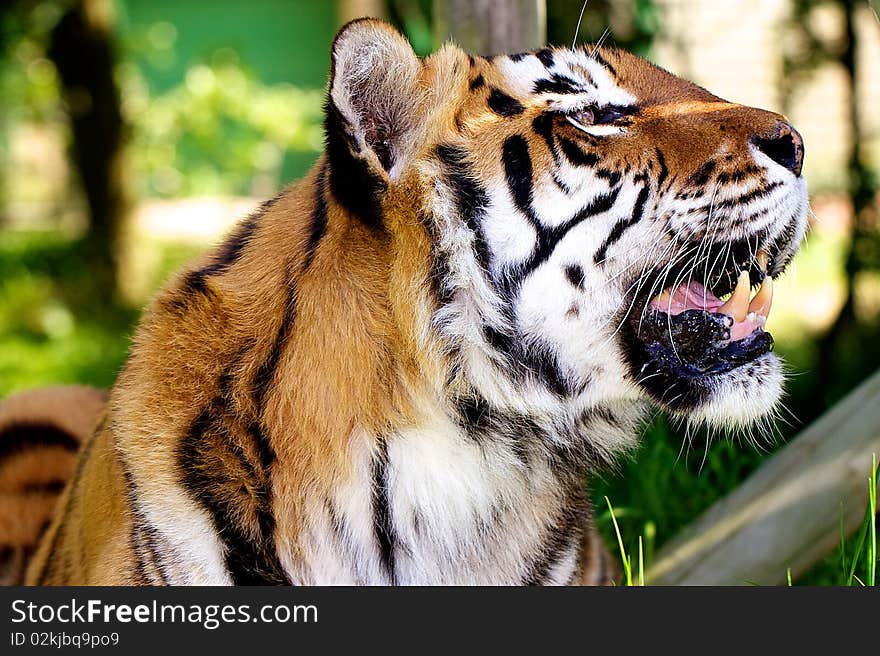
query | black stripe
(353,183)
(543,125)
(575,155)
(155,553)
(575,275)
(504,105)
(142,536)
(546,57)
(266,372)
(222,425)
(53,486)
(228,494)
(140,564)
(562,445)
(561,84)
(477,82)
(664,170)
(527,360)
(227,254)
(262,444)
(541,361)
(319,216)
(596,55)
(52,561)
(701,176)
(383,523)
(194,285)
(501,340)
(518,168)
(550,238)
(472,410)
(563,187)
(471,198)
(755,194)
(233,246)
(21,436)
(517,56)
(483,422)
(340,534)
(441,274)
(621,226)
(560,535)
(143,542)
(613,177)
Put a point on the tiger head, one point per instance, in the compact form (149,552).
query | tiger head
(587,213)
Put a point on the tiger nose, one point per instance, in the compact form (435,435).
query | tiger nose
(784,145)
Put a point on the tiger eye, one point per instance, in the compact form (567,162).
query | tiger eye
(584,116)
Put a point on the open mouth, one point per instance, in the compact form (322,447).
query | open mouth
(706,327)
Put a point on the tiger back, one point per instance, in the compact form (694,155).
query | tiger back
(41,432)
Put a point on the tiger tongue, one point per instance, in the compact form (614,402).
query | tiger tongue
(690,296)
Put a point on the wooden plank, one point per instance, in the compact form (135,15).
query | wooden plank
(787,514)
(491,27)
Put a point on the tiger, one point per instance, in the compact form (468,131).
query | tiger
(405,368)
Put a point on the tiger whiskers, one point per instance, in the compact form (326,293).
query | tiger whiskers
(600,42)
(708,241)
(639,245)
(659,284)
(577,27)
(669,307)
(639,283)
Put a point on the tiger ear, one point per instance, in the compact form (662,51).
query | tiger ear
(374,93)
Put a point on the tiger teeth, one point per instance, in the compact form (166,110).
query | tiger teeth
(763,299)
(763,260)
(663,299)
(738,304)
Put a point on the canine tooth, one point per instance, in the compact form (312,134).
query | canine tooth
(738,305)
(763,299)
(763,260)
(663,300)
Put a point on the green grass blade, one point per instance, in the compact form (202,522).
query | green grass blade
(860,544)
(872,512)
(641,564)
(843,568)
(627,570)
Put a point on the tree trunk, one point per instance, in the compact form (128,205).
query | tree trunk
(81,49)
(491,27)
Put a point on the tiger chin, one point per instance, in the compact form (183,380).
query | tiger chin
(399,370)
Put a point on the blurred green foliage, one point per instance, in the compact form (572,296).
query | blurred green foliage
(210,102)
(53,327)
(633,23)
(27,78)
(219,132)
